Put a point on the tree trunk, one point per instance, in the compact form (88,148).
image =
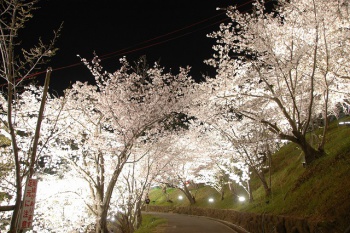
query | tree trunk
(188,194)
(262,178)
(10,94)
(222,193)
(101,222)
(265,185)
(164,191)
(267,190)
(250,192)
(138,216)
(232,189)
(310,153)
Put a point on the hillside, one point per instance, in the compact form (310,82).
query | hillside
(320,192)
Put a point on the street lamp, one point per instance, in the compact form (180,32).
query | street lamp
(344,123)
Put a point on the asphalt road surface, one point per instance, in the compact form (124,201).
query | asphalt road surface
(179,223)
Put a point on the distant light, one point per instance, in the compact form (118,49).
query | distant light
(241,199)
(344,123)
(211,200)
(180,197)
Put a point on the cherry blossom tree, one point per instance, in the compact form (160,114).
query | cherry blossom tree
(252,144)
(215,177)
(211,145)
(64,202)
(225,154)
(146,163)
(237,145)
(256,148)
(104,123)
(191,161)
(286,70)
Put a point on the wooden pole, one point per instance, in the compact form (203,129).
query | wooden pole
(38,125)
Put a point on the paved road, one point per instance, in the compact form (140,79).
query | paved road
(179,223)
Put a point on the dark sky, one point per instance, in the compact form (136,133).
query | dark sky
(172,31)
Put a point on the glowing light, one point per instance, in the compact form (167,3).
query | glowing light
(241,199)
(211,200)
(180,197)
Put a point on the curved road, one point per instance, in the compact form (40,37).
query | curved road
(179,223)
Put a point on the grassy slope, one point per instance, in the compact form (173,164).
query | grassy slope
(151,224)
(319,192)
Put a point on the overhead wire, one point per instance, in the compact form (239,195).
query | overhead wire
(120,52)
(129,49)
(160,42)
(164,35)
(126,50)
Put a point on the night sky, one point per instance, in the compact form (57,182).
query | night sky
(172,31)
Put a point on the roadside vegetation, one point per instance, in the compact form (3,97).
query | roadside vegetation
(150,223)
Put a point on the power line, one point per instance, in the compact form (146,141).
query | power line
(128,49)
(167,34)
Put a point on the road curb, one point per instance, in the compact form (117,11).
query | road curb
(234,227)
